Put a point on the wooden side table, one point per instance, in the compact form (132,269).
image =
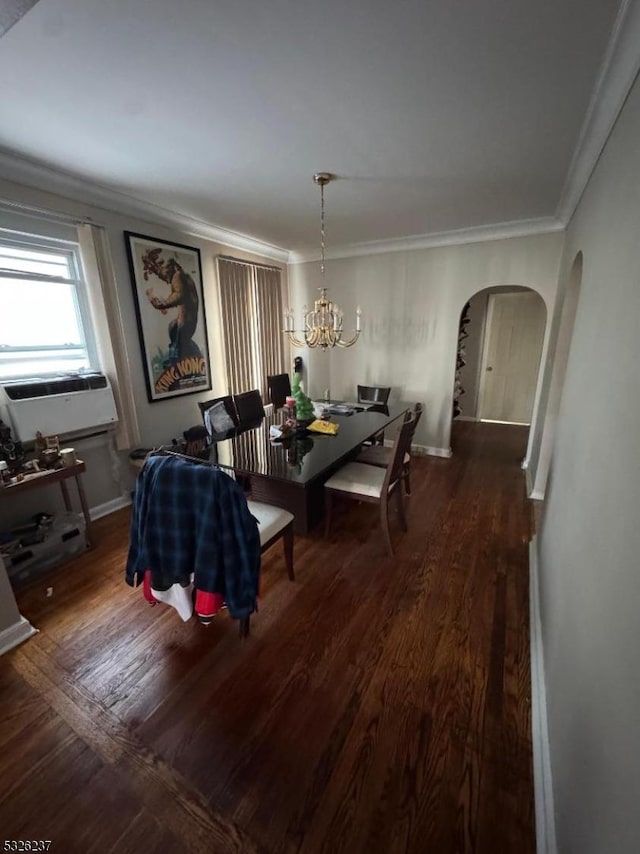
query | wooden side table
(44,478)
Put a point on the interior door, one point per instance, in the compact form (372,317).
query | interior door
(513,345)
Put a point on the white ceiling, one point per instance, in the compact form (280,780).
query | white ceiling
(436,115)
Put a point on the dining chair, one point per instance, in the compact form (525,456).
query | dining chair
(378,395)
(372,484)
(373,394)
(381,456)
(227,566)
(196,442)
(279,386)
(219,414)
(274,523)
(249,407)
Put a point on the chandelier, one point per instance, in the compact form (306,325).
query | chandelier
(322,325)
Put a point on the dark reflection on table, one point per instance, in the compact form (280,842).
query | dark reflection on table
(297,447)
(305,456)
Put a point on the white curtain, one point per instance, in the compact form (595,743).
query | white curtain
(107,322)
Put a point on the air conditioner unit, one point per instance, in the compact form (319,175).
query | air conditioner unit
(57,406)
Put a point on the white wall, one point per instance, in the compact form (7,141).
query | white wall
(159,421)
(13,626)
(411,303)
(589,544)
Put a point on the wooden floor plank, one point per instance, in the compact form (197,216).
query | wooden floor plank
(379,705)
(183,810)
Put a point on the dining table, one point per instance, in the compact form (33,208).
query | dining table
(290,472)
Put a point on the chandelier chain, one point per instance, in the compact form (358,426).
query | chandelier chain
(322,228)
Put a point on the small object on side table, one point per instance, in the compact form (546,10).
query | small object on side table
(68,456)
(50,457)
(11,451)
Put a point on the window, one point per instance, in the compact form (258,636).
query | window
(45,326)
(251,309)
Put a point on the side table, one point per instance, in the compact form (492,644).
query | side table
(44,478)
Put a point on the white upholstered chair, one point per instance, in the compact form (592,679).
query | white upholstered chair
(273,523)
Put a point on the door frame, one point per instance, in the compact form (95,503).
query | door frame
(488,320)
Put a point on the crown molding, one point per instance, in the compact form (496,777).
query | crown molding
(477,234)
(41,177)
(618,72)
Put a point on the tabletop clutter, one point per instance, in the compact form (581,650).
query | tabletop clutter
(315,420)
(47,455)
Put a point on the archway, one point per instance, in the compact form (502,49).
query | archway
(496,325)
(542,444)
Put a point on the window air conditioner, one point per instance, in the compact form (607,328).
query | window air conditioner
(57,406)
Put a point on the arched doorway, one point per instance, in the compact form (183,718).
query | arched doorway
(498,360)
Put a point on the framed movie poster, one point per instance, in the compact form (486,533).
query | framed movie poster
(167,288)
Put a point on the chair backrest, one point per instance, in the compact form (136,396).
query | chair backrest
(219,414)
(249,406)
(196,443)
(417,411)
(279,386)
(373,393)
(400,447)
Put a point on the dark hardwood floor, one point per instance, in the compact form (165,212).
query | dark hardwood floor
(379,705)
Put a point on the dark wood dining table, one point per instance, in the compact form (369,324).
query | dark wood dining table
(291,473)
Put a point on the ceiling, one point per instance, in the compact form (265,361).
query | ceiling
(436,115)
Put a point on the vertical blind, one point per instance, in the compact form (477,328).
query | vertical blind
(251,308)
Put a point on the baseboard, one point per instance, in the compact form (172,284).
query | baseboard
(532,493)
(15,634)
(109,507)
(510,423)
(423,450)
(542,781)
(465,418)
(428,451)
(527,477)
